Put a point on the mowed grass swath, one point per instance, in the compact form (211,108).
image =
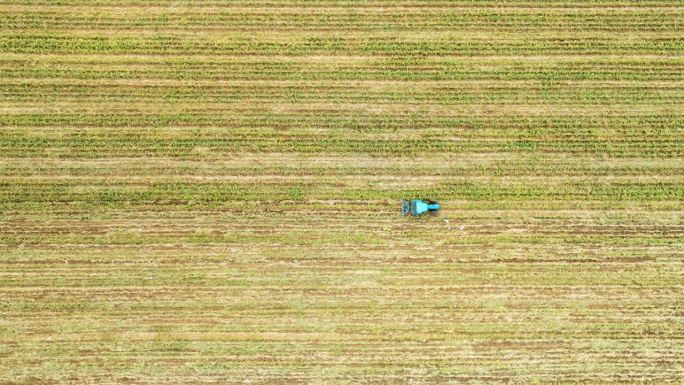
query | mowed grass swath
(208,192)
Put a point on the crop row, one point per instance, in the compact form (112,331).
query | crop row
(164,44)
(40,297)
(327,290)
(360,216)
(389,4)
(218,192)
(491,96)
(308,238)
(457,94)
(449,18)
(184,149)
(343,255)
(285,166)
(332,109)
(553,69)
(263,120)
(212,149)
(223,131)
(166,208)
(232,135)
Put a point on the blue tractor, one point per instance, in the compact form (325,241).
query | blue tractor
(419,207)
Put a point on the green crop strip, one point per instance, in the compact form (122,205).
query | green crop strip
(166,44)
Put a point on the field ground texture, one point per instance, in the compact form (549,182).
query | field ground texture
(207,192)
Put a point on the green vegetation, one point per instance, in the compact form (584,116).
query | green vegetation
(208,192)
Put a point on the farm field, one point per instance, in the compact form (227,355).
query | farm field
(207,192)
